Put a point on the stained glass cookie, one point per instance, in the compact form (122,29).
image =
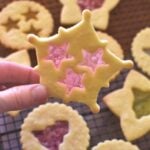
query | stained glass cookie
(113,45)
(115,145)
(75,64)
(20,18)
(131,104)
(72,11)
(141,50)
(60,127)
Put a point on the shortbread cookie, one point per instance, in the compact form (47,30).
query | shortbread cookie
(100,10)
(75,64)
(131,104)
(20,18)
(113,46)
(60,127)
(141,49)
(20,57)
(115,145)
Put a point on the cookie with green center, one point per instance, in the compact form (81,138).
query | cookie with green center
(20,18)
(59,128)
(131,104)
(116,145)
(75,64)
(141,49)
(100,9)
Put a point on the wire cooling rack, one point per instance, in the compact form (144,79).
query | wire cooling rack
(126,20)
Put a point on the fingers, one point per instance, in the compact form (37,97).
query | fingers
(12,73)
(22,97)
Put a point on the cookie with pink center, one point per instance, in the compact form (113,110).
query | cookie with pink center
(100,9)
(75,64)
(58,129)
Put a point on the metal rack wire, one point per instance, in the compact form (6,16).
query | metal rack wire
(103,125)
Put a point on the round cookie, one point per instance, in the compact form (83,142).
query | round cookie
(141,49)
(20,18)
(113,46)
(55,120)
(116,145)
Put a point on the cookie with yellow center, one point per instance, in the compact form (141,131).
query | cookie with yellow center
(59,128)
(100,10)
(131,104)
(75,64)
(116,145)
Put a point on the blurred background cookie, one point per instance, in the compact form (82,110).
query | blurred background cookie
(100,9)
(20,18)
(141,49)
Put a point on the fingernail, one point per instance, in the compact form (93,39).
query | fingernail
(39,93)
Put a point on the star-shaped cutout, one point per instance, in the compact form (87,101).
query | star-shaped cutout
(93,60)
(72,80)
(58,53)
(132,105)
(147,50)
(11,24)
(79,37)
(32,30)
(30,14)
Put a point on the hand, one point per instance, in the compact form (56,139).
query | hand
(19,87)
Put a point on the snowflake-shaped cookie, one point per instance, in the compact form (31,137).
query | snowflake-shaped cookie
(100,10)
(131,104)
(74,64)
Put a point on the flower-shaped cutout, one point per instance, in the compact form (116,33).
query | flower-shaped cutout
(86,85)
(131,104)
(100,9)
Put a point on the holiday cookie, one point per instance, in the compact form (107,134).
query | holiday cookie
(116,145)
(60,127)
(100,10)
(141,49)
(131,104)
(20,18)
(113,45)
(75,64)
(20,57)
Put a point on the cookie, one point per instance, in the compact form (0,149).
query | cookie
(59,127)
(20,57)
(100,10)
(141,49)
(20,18)
(116,145)
(113,45)
(75,64)
(131,104)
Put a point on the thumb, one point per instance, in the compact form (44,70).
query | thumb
(22,97)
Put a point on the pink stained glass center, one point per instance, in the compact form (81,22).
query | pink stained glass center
(58,53)
(52,136)
(93,60)
(90,4)
(72,79)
